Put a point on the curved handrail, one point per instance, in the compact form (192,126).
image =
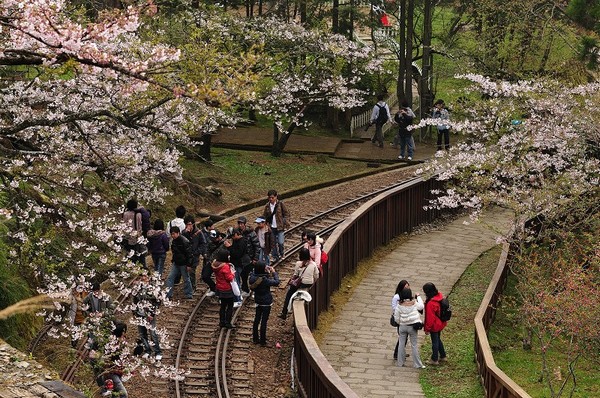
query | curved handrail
(373,224)
(494,381)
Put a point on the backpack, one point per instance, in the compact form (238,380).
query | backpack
(324,257)
(445,310)
(382,117)
(146,226)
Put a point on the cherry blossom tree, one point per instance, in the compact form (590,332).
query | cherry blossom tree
(303,68)
(533,147)
(92,115)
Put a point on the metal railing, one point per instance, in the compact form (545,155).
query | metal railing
(363,119)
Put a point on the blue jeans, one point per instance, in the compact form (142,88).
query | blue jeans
(437,347)
(177,271)
(279,238)
(144,331)
(407,141)
(159,262)
(262,256)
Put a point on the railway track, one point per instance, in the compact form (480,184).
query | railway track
(217,358)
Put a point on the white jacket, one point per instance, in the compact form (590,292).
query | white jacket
(407,312)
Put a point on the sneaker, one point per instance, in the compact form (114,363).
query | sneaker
(210,293)
(107,393)
(146,355)
(282,316)
(245,294)
(158,357)
(409,158)
(263,343)
(237,304)
(421,367)
(400,157)
(445,359)
(229,326)
(433,363)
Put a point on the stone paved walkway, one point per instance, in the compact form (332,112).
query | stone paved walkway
(360,343)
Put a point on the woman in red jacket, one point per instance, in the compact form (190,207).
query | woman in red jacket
(433,324)
(223,275)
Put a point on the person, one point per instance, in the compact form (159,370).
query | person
(314,248)
(98,309)
(182,260)
(178,221)
(76,312)
(196,238)
(407,315)
(433,324)
(379,117)
(266,240)
(239,257)
(395,299)
(144,308)
(224,277)
(206,273)
(278,218)
(158,245)
(260,281)
(307,270)
(111,378)
(440,112)
(251,239)
(404,118)
(135,218)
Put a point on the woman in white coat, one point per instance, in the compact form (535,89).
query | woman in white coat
(407,316)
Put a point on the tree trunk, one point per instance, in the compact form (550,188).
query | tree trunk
(401,52)
(284,138)
(410,27)
(204,149)
(424,84)
(275,148)
(335,16)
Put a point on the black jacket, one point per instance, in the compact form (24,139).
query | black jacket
(238,252)
(261,285)
(182,251)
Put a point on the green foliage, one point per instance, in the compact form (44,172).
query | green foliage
(586,13)
(19,329)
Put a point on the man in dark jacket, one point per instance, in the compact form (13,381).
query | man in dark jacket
(182,260)
(251,239)
(239,257)
(206,262)
(277,216)
(196,238)
(261,280)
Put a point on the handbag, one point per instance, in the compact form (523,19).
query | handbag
(393,322)
(235,288)
(417,325)
(296,280)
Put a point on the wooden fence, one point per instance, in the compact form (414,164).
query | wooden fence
(372,225)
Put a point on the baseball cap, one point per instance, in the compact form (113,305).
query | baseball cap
(259,219)
(242,219)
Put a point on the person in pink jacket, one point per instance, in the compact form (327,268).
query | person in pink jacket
(223,276)
(433,324)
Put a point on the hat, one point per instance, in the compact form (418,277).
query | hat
(242,219)
(208,223)
(213,233)
(259,219)
(222,255)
